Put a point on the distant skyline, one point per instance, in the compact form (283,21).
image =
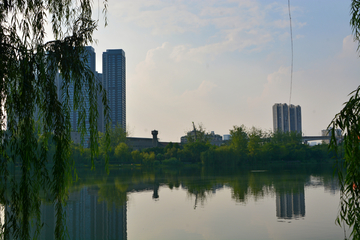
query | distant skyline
(225,63)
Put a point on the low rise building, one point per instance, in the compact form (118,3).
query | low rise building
(142,143)
(328,132)
(214,139)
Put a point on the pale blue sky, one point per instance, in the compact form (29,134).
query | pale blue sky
(225,63)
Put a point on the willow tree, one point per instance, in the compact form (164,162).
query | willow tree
(28,68)
(348,120)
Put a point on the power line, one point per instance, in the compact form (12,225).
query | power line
(292,52)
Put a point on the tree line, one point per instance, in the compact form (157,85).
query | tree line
(246,145)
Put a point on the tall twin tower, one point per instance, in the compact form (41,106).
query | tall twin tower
(113,80)
(286,118)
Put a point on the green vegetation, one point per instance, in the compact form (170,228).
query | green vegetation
(348,120)
(200,182)
(28,68)
(247,146)
(28,93)
(255,146)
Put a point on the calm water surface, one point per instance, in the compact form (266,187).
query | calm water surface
(292,202)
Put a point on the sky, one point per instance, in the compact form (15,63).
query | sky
(225,63)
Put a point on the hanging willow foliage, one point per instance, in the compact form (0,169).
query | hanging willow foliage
(348,120)
(28,68)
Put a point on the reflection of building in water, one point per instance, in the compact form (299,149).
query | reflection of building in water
(2,214)
(49,220)
(87,217)
(290,205)
(2,217)
(332,186)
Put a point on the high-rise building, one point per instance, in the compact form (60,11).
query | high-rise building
(286,118)
(281,117)
(74,113)
(295,118)
(114,82)
(101,128)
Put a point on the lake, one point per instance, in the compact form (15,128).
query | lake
(268,202)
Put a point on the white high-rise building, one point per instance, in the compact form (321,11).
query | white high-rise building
(286,118)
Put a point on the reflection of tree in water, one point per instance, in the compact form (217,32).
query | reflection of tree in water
(256,185)
(104,197)
(172,177)
(200,186)
(239,190)
(113,193)
(199,196)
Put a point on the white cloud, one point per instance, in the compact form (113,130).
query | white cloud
(165,17)
(319,90)
(281,23)
(202,91)
(162,17)
(284,36)
(235,25)
(349,47)
(217,11)
(163,93)
(225,63)
(235,40)
(275,90)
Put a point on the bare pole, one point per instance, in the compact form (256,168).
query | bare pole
(292,53)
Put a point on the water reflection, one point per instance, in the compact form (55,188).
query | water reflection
(332,186)
(290,205)
(97,204)
(87,217)
(2,219)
